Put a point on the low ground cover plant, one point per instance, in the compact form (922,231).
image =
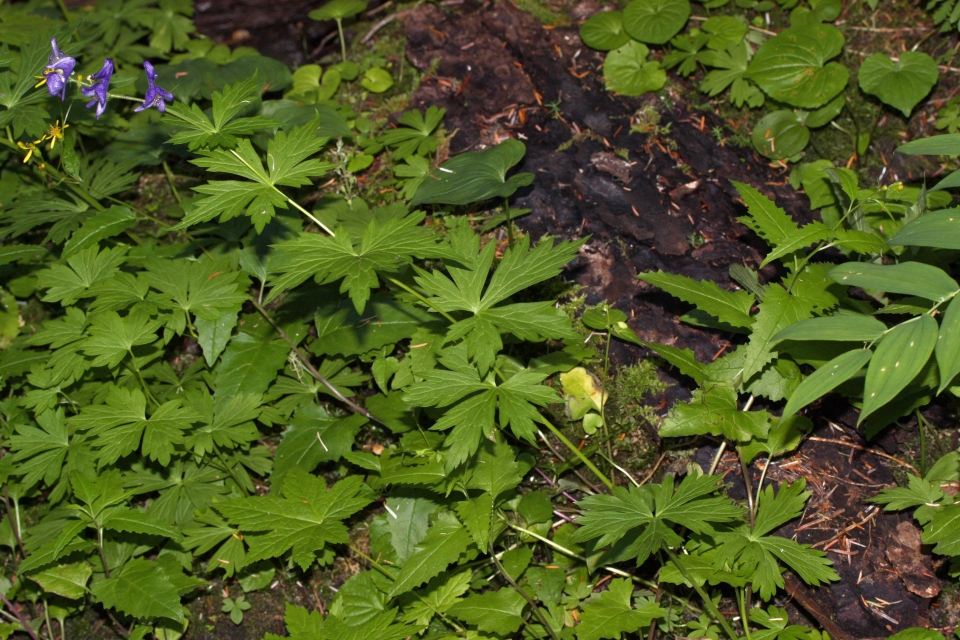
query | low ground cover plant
(217,372)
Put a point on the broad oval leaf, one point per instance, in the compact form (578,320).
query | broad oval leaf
(67,580)
(793,66)
(338,9)
(903,83)
(142,590)
(376,80)
(472,177)
(604,31)
(780,135)
(628,72)
(909,278)
(655,21)
(844,327)
(940,229)
(948,345)
(826,379)
(898,360)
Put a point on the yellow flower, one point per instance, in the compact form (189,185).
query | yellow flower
(54,133)
(30,148)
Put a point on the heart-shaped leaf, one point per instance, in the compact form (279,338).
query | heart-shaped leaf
(780,135)
(472,177)
(628,72)
(902,84)
(655,21)
(792,67)
(604,31)
(724,31)
(338,10)
(376,80)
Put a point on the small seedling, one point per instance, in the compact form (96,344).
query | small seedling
(337,10)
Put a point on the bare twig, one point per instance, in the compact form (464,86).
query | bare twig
(23,622)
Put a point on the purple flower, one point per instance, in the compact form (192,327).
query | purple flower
(155,95)
(99,90)
(58,69)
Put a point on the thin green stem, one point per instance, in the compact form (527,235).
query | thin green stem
(143,383)
(562,438)
(603,398)
(506,212)
(343,43)
(744,618)
(103,555)
(264,179)
(923,445)
(172,181)
(617,572)
(707,602)
(63,10)
(516,587)
(717,457)
(422,299)
(46,617)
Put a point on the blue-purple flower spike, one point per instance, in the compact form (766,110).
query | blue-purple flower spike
(99,90)
(155,95)
(58,69)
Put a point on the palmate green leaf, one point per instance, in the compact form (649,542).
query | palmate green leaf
(909,278)
(142,590)
(476,176)
(249,364)
(306,519)
(902,84)
(793,66)
(112,338)
(496,612)
(41,452)
(731,307)
(170,24)
(441,594)
(652,510)
(655,21)
(287,165)
(939,229)
(213,335)
(785,435)
(133,521)
(758,552)
(898,359)
(229,556)
(611,615)
(917,493)
(312,438)
(827,378)
(944,530)
(730,69)
(121,423)
(104,224)
(473,402)
(223,130)
(464,291)
(714,410)
(496,469)
(417,135)
(384,248)
(68,283)
(205,288)
(442,545)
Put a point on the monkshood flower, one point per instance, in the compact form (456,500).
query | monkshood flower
(99,89)
(155,95)
(58,70)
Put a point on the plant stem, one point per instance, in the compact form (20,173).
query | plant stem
(748,483)
(23,621)
(311,369)
(172,181)
(617,572)
(422,299)
(14,523)
(506,212)
(562,438)
(603,398)
(343,43)
(744,618)
(46,617)
(530,601)
(717,457)
(707,602)
(103,556)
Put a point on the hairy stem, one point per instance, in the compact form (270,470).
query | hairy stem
(530,601)
(562,438)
